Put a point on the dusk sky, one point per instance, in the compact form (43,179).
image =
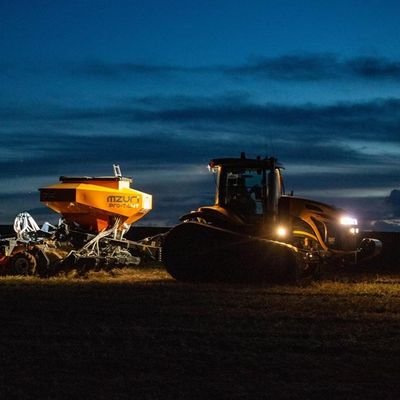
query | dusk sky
(161,87)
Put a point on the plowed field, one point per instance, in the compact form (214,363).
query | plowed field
(138,334)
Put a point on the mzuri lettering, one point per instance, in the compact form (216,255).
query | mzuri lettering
(123,201)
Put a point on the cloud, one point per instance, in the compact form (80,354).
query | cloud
(164,161)
(318,67)
(374,68)
(384,214)
(166,142)
(52,127)
(394,202)
(287,67)
(300,67)
(375,120)
(175,128)
(290,67)
(358,179)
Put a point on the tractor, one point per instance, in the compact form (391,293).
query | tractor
(254,231)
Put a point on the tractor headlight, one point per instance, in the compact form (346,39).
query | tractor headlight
(281,231)
(351,223)
(348,221)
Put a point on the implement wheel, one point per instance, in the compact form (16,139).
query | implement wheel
(23,263)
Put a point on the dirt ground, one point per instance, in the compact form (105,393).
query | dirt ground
(138,334)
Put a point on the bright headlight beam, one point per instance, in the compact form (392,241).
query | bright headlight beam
(346,220)
(281,231)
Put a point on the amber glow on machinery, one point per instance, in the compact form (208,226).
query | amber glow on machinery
(96,203)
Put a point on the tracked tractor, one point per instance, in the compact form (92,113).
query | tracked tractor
(256,232)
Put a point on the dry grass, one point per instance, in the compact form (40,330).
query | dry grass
(138,334)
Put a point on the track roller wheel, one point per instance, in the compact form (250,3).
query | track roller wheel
(23,263)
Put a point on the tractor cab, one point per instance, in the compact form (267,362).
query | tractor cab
(250,188)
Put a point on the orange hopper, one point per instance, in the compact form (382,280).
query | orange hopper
(95,204)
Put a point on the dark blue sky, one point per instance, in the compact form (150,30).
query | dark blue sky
(160,87)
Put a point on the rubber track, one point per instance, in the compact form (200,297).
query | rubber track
(198,252)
